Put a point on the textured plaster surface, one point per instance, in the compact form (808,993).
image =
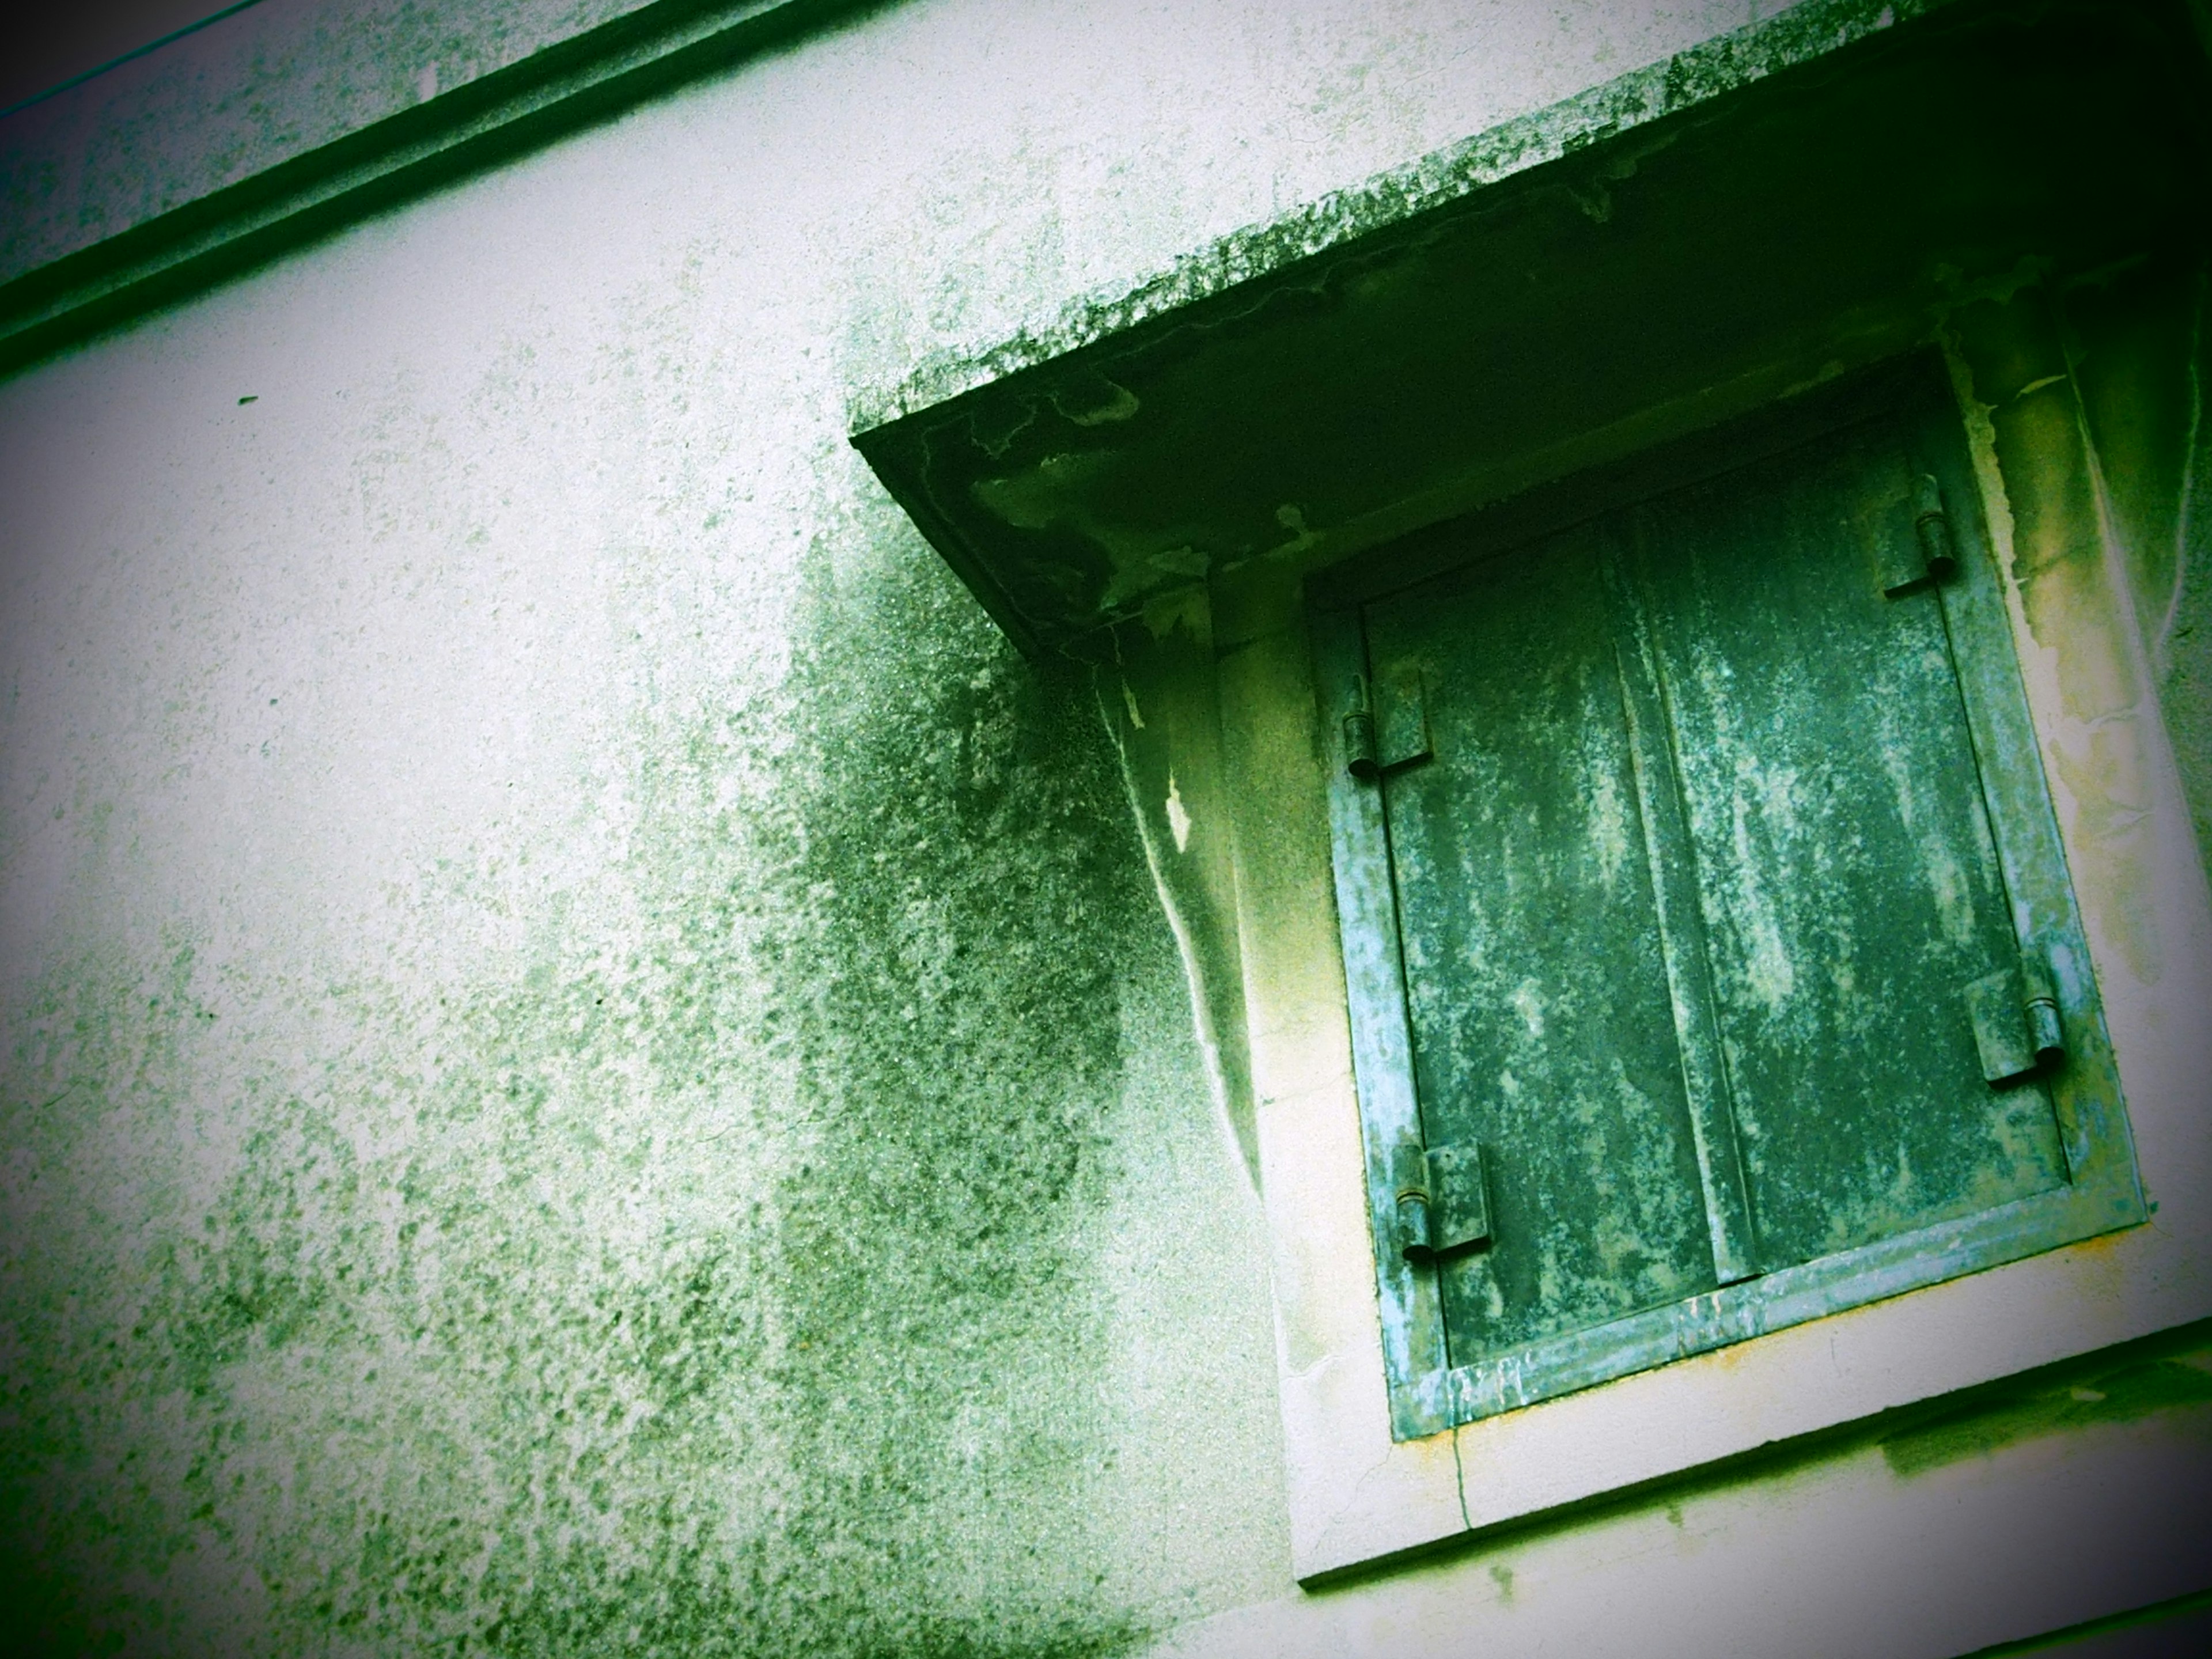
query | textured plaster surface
(574,1082)
(588,1062)
(592,1065)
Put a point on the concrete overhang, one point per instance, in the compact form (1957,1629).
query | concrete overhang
(1660,254)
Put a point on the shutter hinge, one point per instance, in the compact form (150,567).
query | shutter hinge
(1390,726)
(1443,1202)
(1932,555)
(2016,1024)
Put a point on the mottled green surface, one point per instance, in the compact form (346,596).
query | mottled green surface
(716,1276)
(591,1064)
(587,1063)
(1536,981)
(1748,42)
(1715,836)
(1848,867)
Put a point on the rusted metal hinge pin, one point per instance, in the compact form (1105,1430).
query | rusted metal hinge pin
(1445,1206)
(1360,758)
(1937,549)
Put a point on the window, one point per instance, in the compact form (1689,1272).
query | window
(1711,961)
(1313,476)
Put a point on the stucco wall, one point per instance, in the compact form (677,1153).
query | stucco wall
(591,1062)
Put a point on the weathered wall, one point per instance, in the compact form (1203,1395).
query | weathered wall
(2137,350)
(588,1063)
(591,1063)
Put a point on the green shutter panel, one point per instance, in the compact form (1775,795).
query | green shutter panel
(1847,874)
(1711,958)
(1537,983)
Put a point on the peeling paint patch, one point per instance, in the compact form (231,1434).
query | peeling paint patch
(1178,818)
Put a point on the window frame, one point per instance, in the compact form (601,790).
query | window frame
(1426,1394)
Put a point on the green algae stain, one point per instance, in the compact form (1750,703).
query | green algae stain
(700,1276)
(965,888)
(2138,1386)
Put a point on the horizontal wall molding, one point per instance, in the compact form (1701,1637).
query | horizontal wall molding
(587,78)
